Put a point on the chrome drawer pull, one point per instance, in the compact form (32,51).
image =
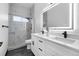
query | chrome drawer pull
(40,49)
(40,41)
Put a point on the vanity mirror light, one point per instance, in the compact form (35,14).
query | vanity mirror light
(58,16)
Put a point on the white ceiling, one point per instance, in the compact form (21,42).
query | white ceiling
(27,5)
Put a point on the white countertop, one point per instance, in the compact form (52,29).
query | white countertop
(74,45)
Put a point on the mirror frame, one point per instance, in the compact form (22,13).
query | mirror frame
(71,18)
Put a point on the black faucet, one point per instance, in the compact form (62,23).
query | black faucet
(65,34)
(42,32)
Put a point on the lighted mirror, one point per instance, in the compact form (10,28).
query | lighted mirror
(58,16)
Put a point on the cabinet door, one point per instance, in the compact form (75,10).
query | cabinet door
(34,45)
(50,50)
(61,50)
(37,46)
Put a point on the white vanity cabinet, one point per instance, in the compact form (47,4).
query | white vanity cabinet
(37,46)
(41,46)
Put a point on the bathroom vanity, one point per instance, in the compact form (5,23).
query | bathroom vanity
(58,17)
(51,45)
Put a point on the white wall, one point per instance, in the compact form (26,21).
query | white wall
(38,7)
(76,19)
(19,10)
(33,18)
(3,31)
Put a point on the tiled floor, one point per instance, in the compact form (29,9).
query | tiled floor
(20,52)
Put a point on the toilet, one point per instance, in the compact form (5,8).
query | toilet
(28,43)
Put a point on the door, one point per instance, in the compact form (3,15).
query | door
(17,32)
(20,34)
(3,30)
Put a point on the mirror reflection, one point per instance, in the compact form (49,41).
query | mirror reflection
(59,17)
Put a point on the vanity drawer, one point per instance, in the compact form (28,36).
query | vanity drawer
(41,51)
(41,41)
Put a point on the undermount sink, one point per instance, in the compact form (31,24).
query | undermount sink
(65,40)
(61,39)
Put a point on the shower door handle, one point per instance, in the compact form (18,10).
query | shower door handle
(1,44)
(5,26)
